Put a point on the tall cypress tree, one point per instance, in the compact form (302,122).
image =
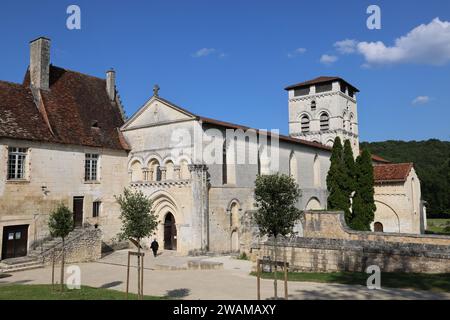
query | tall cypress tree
(336,197)
(363,200)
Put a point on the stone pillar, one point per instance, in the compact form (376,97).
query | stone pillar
(163,173)
(200,193)
(150,175)
(176,172)
(145,174)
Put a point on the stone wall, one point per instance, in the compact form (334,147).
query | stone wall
(323,224)
(333,255)
(329,245)
(85,247)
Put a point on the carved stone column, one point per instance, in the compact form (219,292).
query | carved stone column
(150,175)
(163,173)
(176,172)
(145,174)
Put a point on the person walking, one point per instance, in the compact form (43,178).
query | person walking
(155,246)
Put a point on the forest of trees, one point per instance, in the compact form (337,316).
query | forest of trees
(432,162)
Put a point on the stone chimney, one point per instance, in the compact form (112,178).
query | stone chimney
(40,63)
(111,84)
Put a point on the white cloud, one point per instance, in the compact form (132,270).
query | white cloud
(346,46)
(328,59)
(425,44)
(421,100)
(203,52)
(296,52)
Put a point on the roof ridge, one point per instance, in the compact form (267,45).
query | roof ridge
(13,83)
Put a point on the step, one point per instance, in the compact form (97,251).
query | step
(30,267)
(20,266)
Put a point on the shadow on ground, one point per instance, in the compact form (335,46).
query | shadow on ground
(177,293)
(111,284)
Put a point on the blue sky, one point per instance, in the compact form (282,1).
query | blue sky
(230,60)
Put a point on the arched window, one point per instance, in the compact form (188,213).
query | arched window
(305,123)
(316,171)
(324,122)
(184,170)
(313,105)
(234,225)
(170,174)
(136,171)
(293,166)
(155,172)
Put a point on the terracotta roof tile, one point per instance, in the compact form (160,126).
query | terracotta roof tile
(322,79)
(280,136)
(397,172)
(73,104)
(19,116)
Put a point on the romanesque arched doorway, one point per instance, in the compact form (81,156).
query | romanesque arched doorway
(378,227)
(170,232)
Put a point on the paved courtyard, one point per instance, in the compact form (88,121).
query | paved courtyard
(168,275)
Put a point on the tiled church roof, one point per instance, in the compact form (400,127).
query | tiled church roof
(76,110)
(397,172)
(322,79)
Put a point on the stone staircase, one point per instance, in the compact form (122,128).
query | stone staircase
(39,256)
(20,264)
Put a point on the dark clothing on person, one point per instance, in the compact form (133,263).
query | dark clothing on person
(154,246)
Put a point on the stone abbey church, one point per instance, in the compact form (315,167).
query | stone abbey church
(64,138)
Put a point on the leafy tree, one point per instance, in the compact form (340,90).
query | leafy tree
(138,221)
(276,197)
(60,224)
(340,178)
(363,200)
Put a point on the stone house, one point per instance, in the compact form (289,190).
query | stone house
(398,199)
(59,142)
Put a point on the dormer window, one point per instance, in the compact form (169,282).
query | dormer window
(313,105)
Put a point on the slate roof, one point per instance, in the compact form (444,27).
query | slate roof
(76,110)
(396,172)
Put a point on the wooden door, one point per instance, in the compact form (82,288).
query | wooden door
(170,233)
(78,211)
(15,241)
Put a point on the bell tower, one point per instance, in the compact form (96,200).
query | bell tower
(322,109)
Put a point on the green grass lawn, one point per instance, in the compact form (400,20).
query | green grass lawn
(439,226)
(433,282)
(45,292)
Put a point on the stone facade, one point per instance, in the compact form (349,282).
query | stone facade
(399,206)
(210,201)
(337,103)
(54,174)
